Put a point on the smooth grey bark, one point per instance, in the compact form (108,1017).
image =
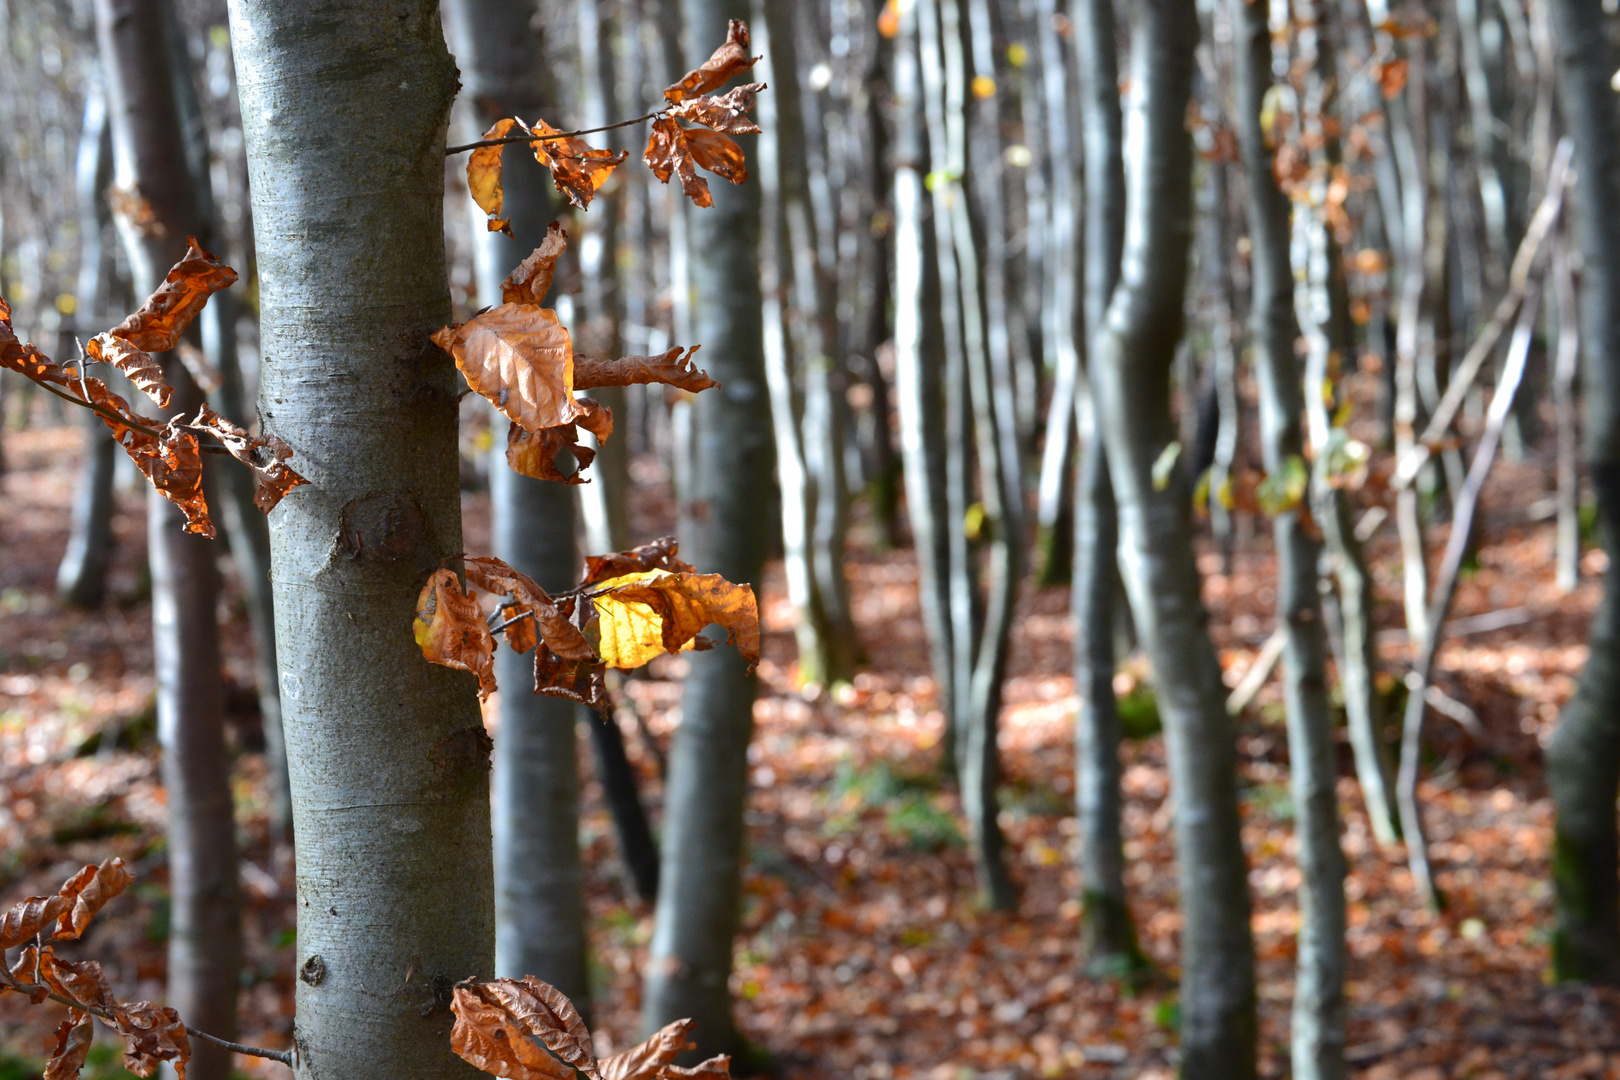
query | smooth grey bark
(1108,938)
(345,107)
(1319,1003)
(800,372)
(81,577)
(722,531)
(1132,361)
(980,443)
(1583,762)
(539,897)
(205,942)
(919,348)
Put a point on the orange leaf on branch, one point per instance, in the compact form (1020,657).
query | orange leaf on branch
(723,64)
(524,1029)
(69,1046)
(672,368)
(520,357)
(673,150)
(152,1035)
(26,360)
(83,982)
(86,893)
(531,280)
(494,576)
(266,455)
(451,631)
(27,918)
(647,1061)
(484,177)
(158,324)
(726,112)
(656,611)
(658,555)
(677,150)
(578,170)
(535,453)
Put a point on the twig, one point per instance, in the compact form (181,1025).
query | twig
(113,414)
(449,150)
(1524,261)
(252,1051)
(1445,590)
(1258,672)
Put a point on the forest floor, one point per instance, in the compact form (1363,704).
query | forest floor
(863,953)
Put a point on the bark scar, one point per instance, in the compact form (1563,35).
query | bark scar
(385,526)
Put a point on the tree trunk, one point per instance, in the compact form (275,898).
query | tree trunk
(722,531)
(1319,1005)
(205,943)
(539,897)
(1132,364)
(81,578)
(1583,762)
(387,753)
(1108,938)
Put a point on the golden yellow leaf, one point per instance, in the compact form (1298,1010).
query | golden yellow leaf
(645,614)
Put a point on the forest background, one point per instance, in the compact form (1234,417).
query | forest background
(1041,330)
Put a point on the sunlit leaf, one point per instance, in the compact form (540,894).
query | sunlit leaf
(1164,466)
(266,455)
(531,281)
(676,150)
(521,358)
(536,453)
(727,61)
(1284,490)
(171,460)
(656,611)
(672,368)
(726,112)
(451,631)
(26,359)
(484,177)
(578,170)
(494,576)
(658,555)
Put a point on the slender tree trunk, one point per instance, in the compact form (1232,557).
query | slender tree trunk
(1108,938)
(1583,762)
(205,943)
(388,756)
(637,847)
(1132,369)
(539,897)
(1319,1004)
(722,531)
(81,578)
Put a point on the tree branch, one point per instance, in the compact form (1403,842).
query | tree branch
(449,150)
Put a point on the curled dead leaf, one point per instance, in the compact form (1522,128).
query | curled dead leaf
(494,576)
(578,170)
(82,982)
(171,459)
(673,149)
(451,631)
(656,611)
(573,680)
(715,1068)
(521,358)
(28,917)
(728,60)
(647,1061)
(484,177)
(25,971)
(726,112)
(26,359)
(152,1034)
(69,1046)
(658,555)
(521,634)
(86,893)
(672,368)
(531,281)
(520,1028)
(158,324)
(535,453)
(266,455)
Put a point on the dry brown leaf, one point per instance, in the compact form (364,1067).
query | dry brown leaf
(531,281)
(135,208)
(728,60)
(159,323)
(27,918)
(596,418)
(534,453)
(647,1061)
(726,112)
(494,576)
(451,630)
(266,455)
(521,634)
(484,177)
(171,460)
(69,1046)
(576,169)
(524,1029)
(86,893)
(83,981)
(672,368)
(575,680)
(658,611)
(152,1034)
(715,1068)
(520,358)
(23,972)
(658,555)
(672,148)
(26,359)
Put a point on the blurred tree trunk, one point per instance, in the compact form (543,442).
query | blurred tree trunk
(724,532)
(205,942)
(801,372)
(1583,762)
(1108,938)
(81,578)
(1131,365)
(1319,1005)
(388,756)
(539,897)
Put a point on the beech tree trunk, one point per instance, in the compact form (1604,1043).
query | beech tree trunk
(205,936)
(1132,364)
(1108,938)
(1319,1005)
(539,898)
(723,532)
(1583,762)
(387,753)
